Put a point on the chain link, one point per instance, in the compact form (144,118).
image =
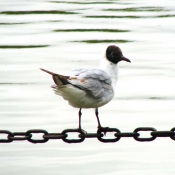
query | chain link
(20,136)
(33,131)
(101,139)
(8,140)
(144,129)
(82,135)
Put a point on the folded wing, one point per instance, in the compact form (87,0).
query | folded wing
(95,82)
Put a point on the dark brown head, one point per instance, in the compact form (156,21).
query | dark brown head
(114,54)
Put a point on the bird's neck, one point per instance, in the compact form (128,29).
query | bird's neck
(111,69)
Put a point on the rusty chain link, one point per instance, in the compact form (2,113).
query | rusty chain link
(82,135)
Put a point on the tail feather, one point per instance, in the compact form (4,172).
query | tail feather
(58,79)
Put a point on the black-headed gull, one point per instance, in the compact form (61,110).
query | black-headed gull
(90,88)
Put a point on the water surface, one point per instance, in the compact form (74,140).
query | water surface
(62,35)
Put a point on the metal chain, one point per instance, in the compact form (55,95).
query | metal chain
(82,135)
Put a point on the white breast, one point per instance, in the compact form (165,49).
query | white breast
(79,98)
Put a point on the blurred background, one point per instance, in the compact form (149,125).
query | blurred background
(63,35)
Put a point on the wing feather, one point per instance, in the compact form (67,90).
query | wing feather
(95,82)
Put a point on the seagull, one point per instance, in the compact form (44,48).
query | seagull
(90,88)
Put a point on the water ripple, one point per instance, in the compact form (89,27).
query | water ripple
(137,9)
(90,30)
(38,12)
(84,3)
(21,46)
(104,41)
(129,16)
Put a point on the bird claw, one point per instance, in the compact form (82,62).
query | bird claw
(82,131)
(103,129)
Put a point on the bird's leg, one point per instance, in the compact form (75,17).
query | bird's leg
(96,113)
(104,129)
(79,114)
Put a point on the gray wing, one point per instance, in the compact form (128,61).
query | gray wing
(95,82)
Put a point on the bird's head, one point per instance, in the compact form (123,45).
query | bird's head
(114,54)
